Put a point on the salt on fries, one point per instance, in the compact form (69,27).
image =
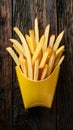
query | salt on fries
(37,57)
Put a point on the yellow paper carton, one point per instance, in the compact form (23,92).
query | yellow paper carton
(37,93)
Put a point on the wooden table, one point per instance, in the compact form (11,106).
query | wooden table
(21,13)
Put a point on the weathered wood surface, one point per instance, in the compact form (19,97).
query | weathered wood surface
(12,113)
(65,87)
(5,66)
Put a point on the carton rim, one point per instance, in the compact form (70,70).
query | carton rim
(37,80)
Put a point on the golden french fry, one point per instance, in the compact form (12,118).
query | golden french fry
(46,33)
(36,31)
(36,69)
(13,55)
(30,44)
(51,63)
(36,64)
(61,60)
(21,58)
(58,40)
(51,40)
(45,56)
(44,71)
(38,49)
(58,55)
(31,32)
(23,64)
(57,60)
(60,50)
(27,52)
(18,47)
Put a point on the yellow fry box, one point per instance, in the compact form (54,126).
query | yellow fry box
(37,93)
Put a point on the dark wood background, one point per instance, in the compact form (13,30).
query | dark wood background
(21,13)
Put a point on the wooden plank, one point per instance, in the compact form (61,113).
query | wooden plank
(5,66)
(21,19)
(24,13)
(65,86)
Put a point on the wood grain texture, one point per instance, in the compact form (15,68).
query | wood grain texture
(5,66)
(65,87)
(22,13)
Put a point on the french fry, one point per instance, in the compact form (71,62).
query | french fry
(38,49)
(51,63)
(18,47)
(31,32)
(36,69)
(61,60)
(30,44)
(57,59)
(51,40)
(23,64)
(60,50)
(36,31)
(45,56)
(58,55)
(13,55)
(27,52)
(44,71)
(36,64)
(46,33)
(58,40)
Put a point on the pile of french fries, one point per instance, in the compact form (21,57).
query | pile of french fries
(37,57)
